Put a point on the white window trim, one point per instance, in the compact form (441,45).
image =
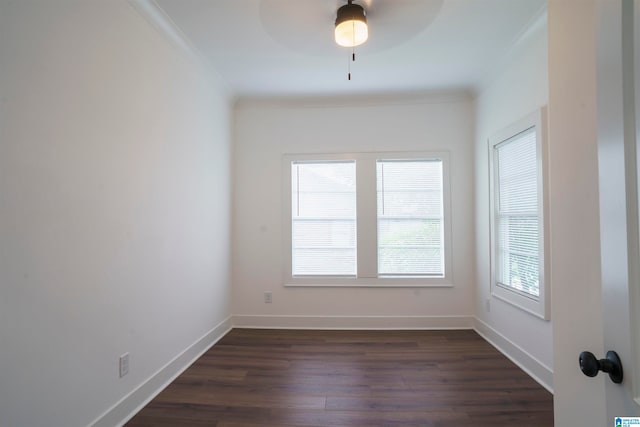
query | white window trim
(538,307)
(366,206)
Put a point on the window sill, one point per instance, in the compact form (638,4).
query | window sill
(534,307)
(368,285)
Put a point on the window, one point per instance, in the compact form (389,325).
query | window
(366,219)
(517,216)
(323,218)
(410,218)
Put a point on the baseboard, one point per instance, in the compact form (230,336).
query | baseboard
(532,366)
(131,404)
(353,322)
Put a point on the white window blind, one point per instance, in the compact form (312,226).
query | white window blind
(517,214)
(410,218)
(323,204)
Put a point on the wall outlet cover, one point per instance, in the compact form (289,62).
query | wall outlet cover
(124,365)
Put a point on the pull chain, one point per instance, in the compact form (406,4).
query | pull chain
(353,48)
(349,61)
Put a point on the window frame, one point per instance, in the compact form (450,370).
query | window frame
(366,222)
(539,307)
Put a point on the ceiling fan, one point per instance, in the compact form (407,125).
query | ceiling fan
(308,26)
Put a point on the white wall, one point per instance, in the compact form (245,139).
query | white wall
(114,207)
(264,131)
(519,89)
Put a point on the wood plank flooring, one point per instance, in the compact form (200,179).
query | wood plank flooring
(290,378)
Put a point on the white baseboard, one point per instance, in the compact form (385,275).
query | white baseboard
(126,408)
(532,366)
(353,322)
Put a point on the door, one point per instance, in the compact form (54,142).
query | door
(618,178)
(593,210)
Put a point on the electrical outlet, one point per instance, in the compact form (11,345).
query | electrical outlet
(268,298)
(124,365)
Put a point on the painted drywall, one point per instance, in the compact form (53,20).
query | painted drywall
(520,88)
(114,207)
(266,130)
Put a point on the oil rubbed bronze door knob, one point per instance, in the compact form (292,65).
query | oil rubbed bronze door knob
(590,366)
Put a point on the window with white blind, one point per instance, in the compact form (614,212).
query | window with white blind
(323,217)
(410,218)
(367,219)
(518,238)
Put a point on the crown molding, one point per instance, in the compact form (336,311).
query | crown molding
(357,100)
(166,27)
(536,27)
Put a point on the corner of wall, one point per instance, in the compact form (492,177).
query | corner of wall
(126,408)
(520,87)
(527,362)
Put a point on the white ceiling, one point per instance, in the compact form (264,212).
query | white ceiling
(286,47)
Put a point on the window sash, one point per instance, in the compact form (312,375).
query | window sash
(518,254)
(410,218)
(323,218)
(517,214)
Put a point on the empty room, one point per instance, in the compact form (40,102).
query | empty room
(319,213)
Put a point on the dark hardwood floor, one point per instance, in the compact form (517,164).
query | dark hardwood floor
(292,378)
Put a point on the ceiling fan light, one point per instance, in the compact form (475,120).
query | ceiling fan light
(351,26)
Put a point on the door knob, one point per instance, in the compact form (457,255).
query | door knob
(590,366)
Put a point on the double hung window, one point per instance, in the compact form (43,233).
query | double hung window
(367,219)
(517,216)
